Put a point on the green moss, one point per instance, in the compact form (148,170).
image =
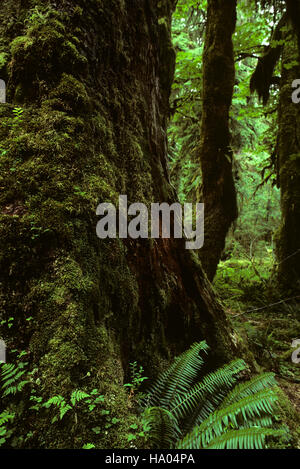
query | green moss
(287,417)
(3,59)
(20,45)
(69,95)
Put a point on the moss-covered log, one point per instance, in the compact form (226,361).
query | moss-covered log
(218,188)
(92,80)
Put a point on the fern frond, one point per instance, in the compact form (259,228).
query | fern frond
(179,377)
(235,415)
(11,378)
(163,427)
(56,401)
(78,396)
(5,417)
(252,438)
(14,389)
(263,381)
(206,395)
(263,422)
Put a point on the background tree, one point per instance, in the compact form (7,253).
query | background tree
(289,170)
(215,153)
(283,50)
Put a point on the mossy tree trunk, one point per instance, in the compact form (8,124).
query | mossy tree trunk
(93,79)
(218,188)
(288,241)
(293,11)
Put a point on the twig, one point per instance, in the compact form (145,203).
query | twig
(265,307)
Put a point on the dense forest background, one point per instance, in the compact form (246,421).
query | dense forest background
(165,101)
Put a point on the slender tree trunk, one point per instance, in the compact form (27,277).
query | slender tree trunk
(288,242)
(93,79)
(218,191)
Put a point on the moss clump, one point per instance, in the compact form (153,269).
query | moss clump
(45,35)
(69,95)
(288,417)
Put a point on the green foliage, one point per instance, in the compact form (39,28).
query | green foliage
(79,400)
(88,446)
(202,398)
(259,208)
(253,127)
(248,438)
(13,378)
(139,432)
(241,280)
(184,128)
(163,427)
(177,379)
(5,417)
(214,412)
(17,113)
(137,378)
(3,59)
(78,406)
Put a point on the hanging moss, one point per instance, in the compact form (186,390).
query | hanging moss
(262,77)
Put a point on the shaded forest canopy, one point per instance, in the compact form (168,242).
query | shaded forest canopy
(164,101)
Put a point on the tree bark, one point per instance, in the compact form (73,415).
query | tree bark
(288,239)
(218,188)
(93,79)
(293,11)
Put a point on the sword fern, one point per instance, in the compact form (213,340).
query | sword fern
(214,412)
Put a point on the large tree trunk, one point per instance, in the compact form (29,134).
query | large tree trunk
(218,188)
(288,242)
(94,80)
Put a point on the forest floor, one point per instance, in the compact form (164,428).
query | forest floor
(267,324)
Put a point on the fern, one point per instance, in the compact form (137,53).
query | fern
(55,400)
(162,426)
(210,413)
(249,387)
(179,377)
(78,396)
(5,418)
(63,407)
(235,416)
(252,438)
(60,403)
(12,377)
(203,398)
